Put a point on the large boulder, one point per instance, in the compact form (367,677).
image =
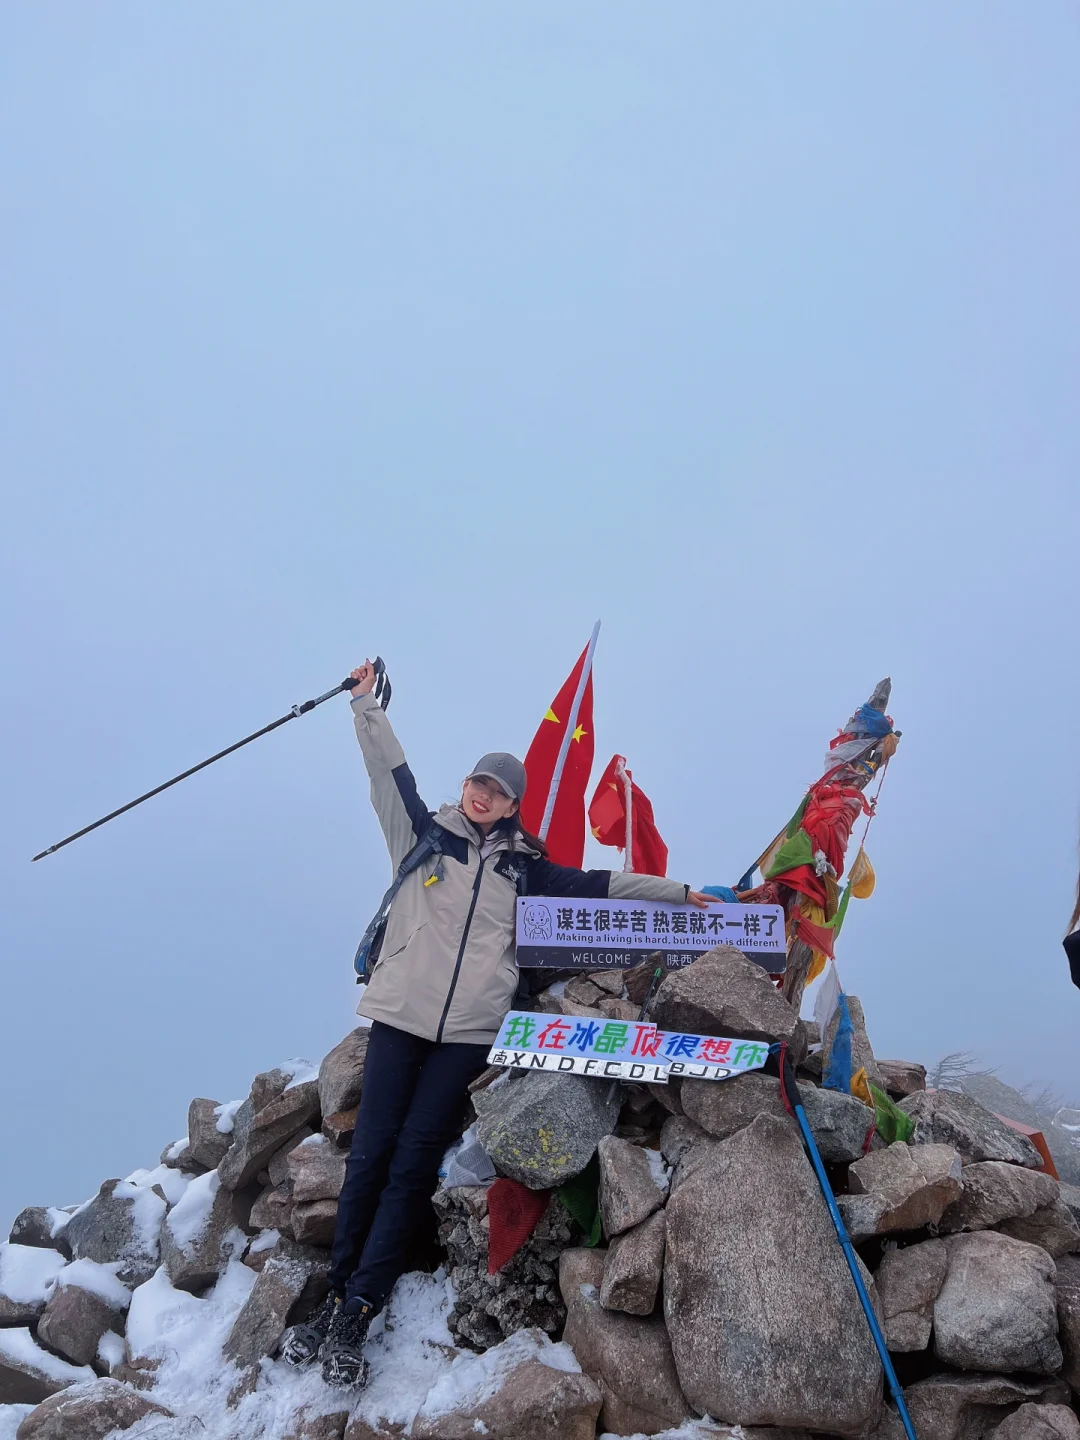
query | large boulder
(89,1411)
(679,1135)
(1052,1226)
(313,1223)
(737,1293)
(996,1310)
(634,1266)
(1067,1292)
(908,1282)
(629,1357)
(995,1191)
(273,1209)
(42,1227)
(900,1188)
(87,1303)
(629,1184)
(839,1123)
(27,1274)
(965,1407)
(723,993)
(29,1374)
(524,1387)
(902,1077)
(207,1142)
(722,1107)
(314,1259)
(1040,1422)
(317,1170)
(267,1311)
(862,1054)
(945,1117)
(259,1131)
(202,1230)
(341,1074)
(122,1222)
(543,1129)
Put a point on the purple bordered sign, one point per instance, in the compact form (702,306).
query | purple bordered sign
(619,1049)
(613,935)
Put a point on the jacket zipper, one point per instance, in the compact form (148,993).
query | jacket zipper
(461,950)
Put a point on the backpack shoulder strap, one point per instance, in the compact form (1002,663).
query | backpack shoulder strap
(430,843)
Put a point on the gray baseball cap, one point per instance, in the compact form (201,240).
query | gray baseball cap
(505,770)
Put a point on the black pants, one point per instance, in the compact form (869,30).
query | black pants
(411,1108)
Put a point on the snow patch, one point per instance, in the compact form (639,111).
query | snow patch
(189,1218)
(313,1140)
(99,1280)
(659,1169)
(225,1115)
(11,1417)
(472,1379)
(301,1071)
(57,1220)
(171,1182)
(17,1347)
(28,1273)
(111,1349)
(266,1241)
(409,1350)
(177,1148)
(147,1213)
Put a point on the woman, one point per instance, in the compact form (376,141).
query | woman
(445,977)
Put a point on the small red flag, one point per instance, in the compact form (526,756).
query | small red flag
(559,794)
(607,816)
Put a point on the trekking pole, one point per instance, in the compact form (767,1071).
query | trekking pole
(382,694)
(790,1093)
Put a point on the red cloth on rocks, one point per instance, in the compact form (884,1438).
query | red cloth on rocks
(514,1211)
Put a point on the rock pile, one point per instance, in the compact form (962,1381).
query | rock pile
(684,1267)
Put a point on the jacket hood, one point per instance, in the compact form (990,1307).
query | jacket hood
(452,818)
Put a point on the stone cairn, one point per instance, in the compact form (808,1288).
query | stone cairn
(718,1288)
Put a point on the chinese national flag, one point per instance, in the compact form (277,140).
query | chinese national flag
(607,816)
(565,837)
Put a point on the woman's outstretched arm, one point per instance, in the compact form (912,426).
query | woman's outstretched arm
(404,817)
(546,878)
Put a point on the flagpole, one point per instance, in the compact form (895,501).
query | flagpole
(571,726)
(628,806)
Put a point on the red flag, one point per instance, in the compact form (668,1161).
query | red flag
(607,816)
(559,764)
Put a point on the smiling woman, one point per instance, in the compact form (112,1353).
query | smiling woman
(445,977)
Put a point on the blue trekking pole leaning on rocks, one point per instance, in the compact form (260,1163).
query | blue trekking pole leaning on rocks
(382,694)
(789,1092)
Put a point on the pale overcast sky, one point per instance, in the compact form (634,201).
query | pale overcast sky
(441,329)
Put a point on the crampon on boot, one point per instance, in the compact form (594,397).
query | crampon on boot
(303,1343)
(343,1363)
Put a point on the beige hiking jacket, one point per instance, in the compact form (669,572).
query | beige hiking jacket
(446,970)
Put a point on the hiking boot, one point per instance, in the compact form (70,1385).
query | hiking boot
(303,1343)
(343,1363)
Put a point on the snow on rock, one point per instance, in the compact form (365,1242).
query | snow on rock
(189,1217)
(29,1374)
(111,1349)
(11,1417)
(301,1071)
(225,1115)
(472,1379)
(27,1273)
(171,1182)
(659,1169)
(176,1149)
(409,1351)
(99,1280)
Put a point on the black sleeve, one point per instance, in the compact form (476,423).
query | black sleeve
(420,817)
(548,879)
(1072,950)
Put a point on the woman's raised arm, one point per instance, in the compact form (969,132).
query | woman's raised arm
(404,817)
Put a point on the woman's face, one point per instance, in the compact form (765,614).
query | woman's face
(485,802)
